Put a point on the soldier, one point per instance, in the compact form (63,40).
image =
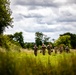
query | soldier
(43,49)
(67,49)
(61,49)
(35,50)
(55,48)
(49,48)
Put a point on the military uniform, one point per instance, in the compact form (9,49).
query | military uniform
(61,49)
(43,49)
(55,48)
(67,49)
(49,47)
(35,50)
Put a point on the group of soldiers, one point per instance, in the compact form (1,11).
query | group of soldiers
(50,49)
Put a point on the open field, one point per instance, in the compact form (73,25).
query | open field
(26,63)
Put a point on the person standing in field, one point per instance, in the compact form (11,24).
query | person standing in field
(35,50)
(67,49)
(55,48)
(61,49)
(43,49)
(49,48)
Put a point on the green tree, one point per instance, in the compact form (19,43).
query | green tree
(72,39)
(41,38)
(46,39)
(29,45)
(19,38)
(63,40)
(38,38)
(5,15)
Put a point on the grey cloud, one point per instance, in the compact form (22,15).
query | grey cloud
(37,3)
(32,15)
(71,1)
(66,16)
(17,17)
(43,3)
(40,21)
(39,29)
(65,28)
(32,7)
(74,25)
(47,29)
(66,19)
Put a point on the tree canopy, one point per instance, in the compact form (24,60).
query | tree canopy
(67,39)
(38,38)
(5,15)
(63,40)
(72,39)
(19,38)
(41,38)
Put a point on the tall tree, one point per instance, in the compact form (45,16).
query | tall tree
(5,15)
(46,39)
(63,40)
(72,39)
(19,38)
(38,38)
(41,38)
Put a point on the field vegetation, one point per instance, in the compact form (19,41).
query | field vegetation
(26,63)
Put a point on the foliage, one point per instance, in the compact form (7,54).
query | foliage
(20,63)
(41,38)
(29,45)
(38,38)
(63,40)
(72,39)
(8,44)
(5,15)
(46,40)
(4,41)
(18,37)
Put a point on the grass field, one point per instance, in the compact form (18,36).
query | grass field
(26,63)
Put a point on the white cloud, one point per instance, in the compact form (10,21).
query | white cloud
(52,17)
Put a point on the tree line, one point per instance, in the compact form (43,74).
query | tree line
(66,39)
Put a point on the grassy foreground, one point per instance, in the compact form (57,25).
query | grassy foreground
(23,63)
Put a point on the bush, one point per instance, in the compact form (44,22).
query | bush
(8,44)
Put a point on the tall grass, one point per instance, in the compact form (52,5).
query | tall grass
(22,63)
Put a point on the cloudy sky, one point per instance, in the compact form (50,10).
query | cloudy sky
(52,17)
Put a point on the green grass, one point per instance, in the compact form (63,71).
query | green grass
(26,63)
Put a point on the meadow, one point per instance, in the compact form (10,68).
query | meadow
(26,63)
